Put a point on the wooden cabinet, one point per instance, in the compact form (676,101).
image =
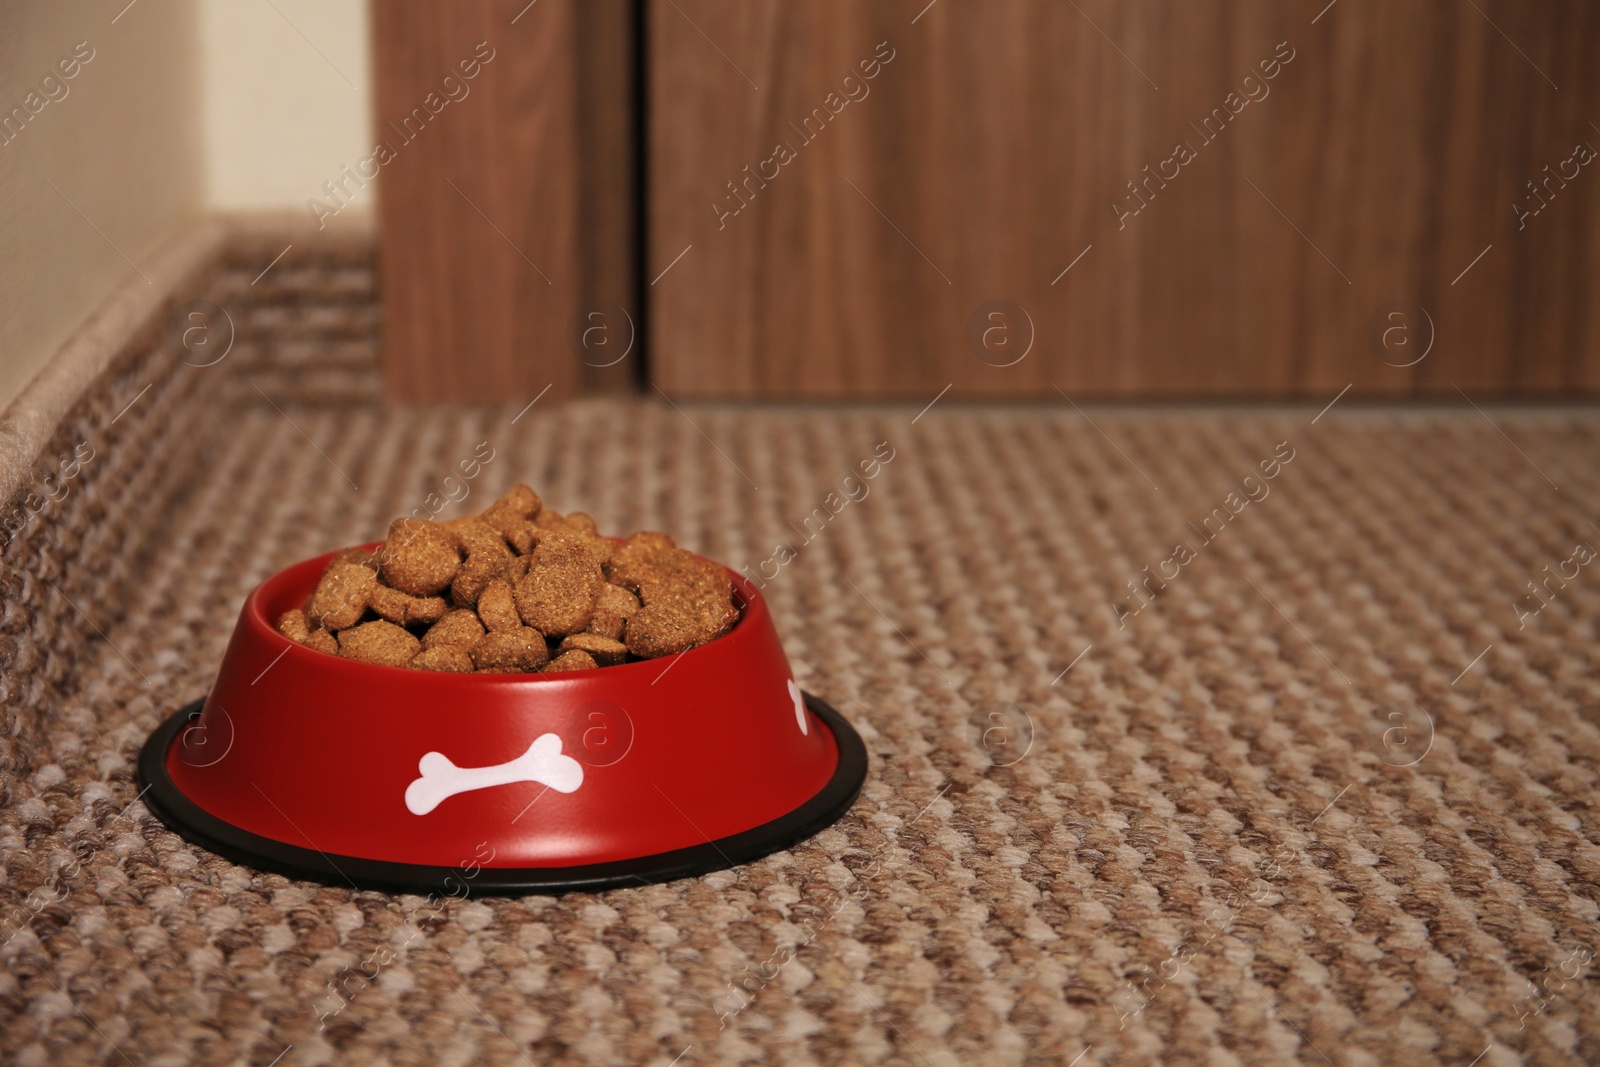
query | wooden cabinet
(1197,198)
(883,198)
(507,196)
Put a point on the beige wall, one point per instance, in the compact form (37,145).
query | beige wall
(287,99)
(121,142)
(185,106)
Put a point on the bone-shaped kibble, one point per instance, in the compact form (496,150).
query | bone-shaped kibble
(542,763)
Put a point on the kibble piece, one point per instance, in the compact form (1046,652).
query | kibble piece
(687,600)
(367,557)
(661,630)
(458,629)
(606,651)
(557,595)
(426,609)
(652,540)
(497,607)
(573,660)
(444,658)
(397,607)
(518,505)
(389,603)
(478,571)
(677,573)
(611,610)
(576,523)
(379,642)
(341,596)
(619,601)
(606,624)
(668,627)
(523,536)
(322,641)
(600,549)
(637,560)
(719,618)
(294,625)
(474,534)
(556,544)
(510,653)
(420,557)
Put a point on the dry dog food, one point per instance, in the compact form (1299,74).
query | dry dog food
(517,589)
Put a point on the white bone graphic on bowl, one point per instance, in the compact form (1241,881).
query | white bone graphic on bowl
(799,706)
(542,763)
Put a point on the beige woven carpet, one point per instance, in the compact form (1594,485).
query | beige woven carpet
(1324,794)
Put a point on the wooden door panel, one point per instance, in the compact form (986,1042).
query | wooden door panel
(509,211)
(984,158)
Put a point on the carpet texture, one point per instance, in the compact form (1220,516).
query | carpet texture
(1316,787)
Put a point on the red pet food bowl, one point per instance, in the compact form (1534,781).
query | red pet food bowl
(348,773)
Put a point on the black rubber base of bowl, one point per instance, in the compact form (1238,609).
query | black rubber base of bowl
(193,824)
